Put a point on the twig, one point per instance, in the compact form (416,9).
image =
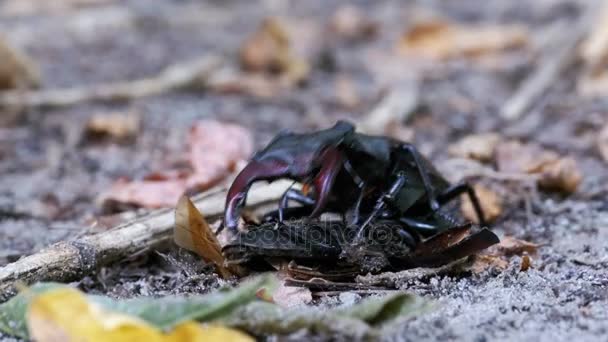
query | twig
(394,108)
(562,54)
(191,74)
(70,260)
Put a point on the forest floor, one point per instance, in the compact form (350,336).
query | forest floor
(53,172)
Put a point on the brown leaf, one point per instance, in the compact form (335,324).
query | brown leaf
(193,233)
(476,146)
(269,50)
(214,149)
(554,173)
(120,126)
(513,156)
(526,263)
(602,142)
(484,262)
(352,23)
(16,70)
(562,175)
(440,39)
(490,201)
(511,246)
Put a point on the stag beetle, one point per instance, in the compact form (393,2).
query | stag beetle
(364,177)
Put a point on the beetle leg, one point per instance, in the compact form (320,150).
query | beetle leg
(458,189)
(380,206)
(294,195)
(426,181)
(357,209)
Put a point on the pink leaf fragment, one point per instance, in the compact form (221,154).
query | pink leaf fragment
(214,150)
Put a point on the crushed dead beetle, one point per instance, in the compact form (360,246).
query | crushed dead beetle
(390,198)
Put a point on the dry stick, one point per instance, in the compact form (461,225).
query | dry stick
(548,70)
(71,260)
(394,108)
(183,75)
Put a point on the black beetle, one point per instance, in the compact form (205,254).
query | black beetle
(364,176)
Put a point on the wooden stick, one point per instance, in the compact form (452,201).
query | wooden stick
(71,260)
(393,109)
(183,75)
(562,54)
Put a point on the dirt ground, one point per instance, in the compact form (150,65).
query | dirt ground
(52,175)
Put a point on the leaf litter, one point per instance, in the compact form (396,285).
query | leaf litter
(214,152)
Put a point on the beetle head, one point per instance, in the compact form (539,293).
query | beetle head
(288,155)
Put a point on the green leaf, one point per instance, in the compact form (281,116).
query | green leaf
(378,311)
(163,312)
(12,312)
(167,312)
(357,321)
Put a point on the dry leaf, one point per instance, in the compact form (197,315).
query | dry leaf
(602,142)
(120,126)
(291,296)
(511,246)
(16,70)
(484,262)
(513,156)
(440,39)
(214,150)
(352,23)
(554,173)
(491,204)
(476,146)
(526,263)
(66,315)
(562,175)
(193,233)
(269,50)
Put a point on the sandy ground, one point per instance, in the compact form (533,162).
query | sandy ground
(45,161)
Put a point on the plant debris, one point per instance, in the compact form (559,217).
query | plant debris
(490,202)
(66,313)
(49,309)
(193,233)
(269,50)
(509,245)
(161,313)
(17,70)
(214,150)
(121,127)
(480,147)
(526,263)
(440,39)
(554,173)
(351,23)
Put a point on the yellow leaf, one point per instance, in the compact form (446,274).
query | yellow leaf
(66,315)
(193,233)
